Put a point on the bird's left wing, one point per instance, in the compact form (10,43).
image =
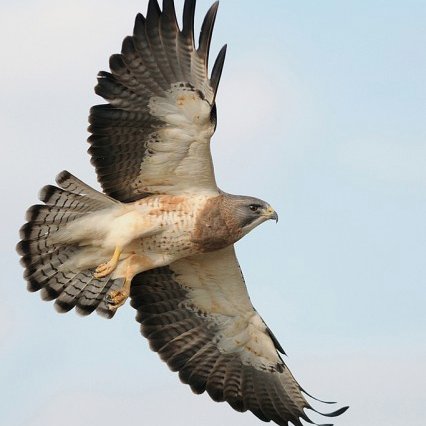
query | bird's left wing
(196,313)
(154,134)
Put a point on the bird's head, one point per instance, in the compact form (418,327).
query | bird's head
(250,212)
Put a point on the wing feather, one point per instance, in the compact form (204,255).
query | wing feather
(206,32)
(196,313)
(140,54)
(154,134)
(152,31)
(169,31)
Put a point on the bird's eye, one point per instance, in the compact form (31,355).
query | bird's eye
(254,207)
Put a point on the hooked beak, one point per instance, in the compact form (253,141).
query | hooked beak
(270,213)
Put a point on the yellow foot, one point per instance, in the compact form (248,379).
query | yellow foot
(116,298)
(106,268)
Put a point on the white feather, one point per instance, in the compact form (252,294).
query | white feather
(216,286)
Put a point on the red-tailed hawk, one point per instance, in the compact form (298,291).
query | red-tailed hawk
(163,232)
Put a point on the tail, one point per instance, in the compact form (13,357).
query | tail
(42,256)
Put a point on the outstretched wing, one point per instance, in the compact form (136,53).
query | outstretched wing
(154,134)
(197,315)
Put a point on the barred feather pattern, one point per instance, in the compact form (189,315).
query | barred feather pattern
(188,338)
(42,257)
(157,59)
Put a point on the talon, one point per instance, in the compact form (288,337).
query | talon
(105,269)
(116,298)
(101,267)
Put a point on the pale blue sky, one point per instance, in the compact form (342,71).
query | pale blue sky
(321,111)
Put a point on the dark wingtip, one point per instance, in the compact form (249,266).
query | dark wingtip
(139,27)
(217,69)
(335,413)
(153,11)
(116,63)
(153,4)
(169,10)
(188,19)
(275,341)
(207,31)
(315,398)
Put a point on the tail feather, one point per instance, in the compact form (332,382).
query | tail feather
(42,267)
(71,292)
(57,197)
(34,231)
(74,195)
(94,297)
(72,184)
(46,262)
(30,248)
(53,287)
(32,255)
(41,213)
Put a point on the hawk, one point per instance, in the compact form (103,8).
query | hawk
(162,232)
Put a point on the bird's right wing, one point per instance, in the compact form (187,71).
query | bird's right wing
(154,134)
(196,313)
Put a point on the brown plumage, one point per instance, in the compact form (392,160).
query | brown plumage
(216,227)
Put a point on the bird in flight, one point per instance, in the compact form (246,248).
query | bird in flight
(162,233)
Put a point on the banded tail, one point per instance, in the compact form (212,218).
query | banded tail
(42,256)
